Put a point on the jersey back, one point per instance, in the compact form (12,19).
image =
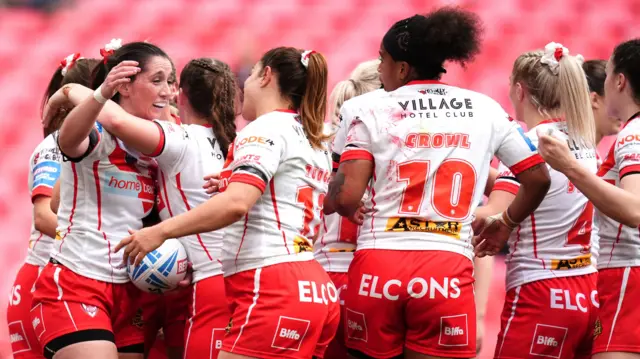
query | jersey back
(555,240)
(189,153)
(273,154)
(432,145)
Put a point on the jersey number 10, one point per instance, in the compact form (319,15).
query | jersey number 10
(451,192)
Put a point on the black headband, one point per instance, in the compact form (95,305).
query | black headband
(400,44)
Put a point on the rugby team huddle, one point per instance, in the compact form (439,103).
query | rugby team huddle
(354,238)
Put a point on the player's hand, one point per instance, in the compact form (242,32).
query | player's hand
(554,151)
(358,215)
(58,104)
(139,243)
(212,183)
(118,76)
(492,235)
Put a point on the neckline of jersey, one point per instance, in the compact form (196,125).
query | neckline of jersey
(285,110)
(425,82)
(633,117)
(551,120)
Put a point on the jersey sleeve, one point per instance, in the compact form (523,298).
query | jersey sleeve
(358,142)
(515,150)
(627,152)
(44,172)
(506,181)
(257,153)
(101,144)
(172,147)
(340,138)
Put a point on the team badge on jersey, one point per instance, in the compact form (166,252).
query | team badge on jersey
(91,310)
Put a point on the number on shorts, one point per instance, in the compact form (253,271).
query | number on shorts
(580,233)
(452,191)
(304,195)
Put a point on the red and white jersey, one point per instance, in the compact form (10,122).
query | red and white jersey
(44,171)
(620,244)
(102,196)
(555,241)
(273,154)
(189,152)
(432,146)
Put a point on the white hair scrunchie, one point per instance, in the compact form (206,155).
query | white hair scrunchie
(305,57)
(553,53)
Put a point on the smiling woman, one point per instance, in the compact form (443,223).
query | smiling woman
(83,298)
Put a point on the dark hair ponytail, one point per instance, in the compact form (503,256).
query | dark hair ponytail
(304,86)
(211,89)
(426,41)
(596,73)
(78,73)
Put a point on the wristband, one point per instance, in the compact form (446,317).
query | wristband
(506,219)
(97,95)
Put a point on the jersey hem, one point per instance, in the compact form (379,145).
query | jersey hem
(243,267)
(422,246)
(618,264)
(113,279)
(539,275)
(35,260)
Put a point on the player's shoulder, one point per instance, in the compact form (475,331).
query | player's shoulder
(365,100)
(629,135)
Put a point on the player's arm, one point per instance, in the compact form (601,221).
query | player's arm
(621,204)
(493,174)
(502,192)
(348,186)
(55,198)
(139,134)
(44,219)
(254,165)
(519,154)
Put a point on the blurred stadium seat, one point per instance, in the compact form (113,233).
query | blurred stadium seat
(345,31)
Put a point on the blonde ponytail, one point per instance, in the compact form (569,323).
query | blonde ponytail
(364,78)
(575,102)
(557,87)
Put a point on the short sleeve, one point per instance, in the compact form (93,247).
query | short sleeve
(257,153)
(101,144)
(358,142)
(627,152)
(506,181)
(515,150)
(44,172)
(340,138)
(172,147)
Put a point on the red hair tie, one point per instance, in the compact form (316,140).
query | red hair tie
(68,62)
(558,53)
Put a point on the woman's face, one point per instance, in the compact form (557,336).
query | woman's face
(150,92)
(605,124)
(612,95)
(515,98)
(252,89)
(389,71)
